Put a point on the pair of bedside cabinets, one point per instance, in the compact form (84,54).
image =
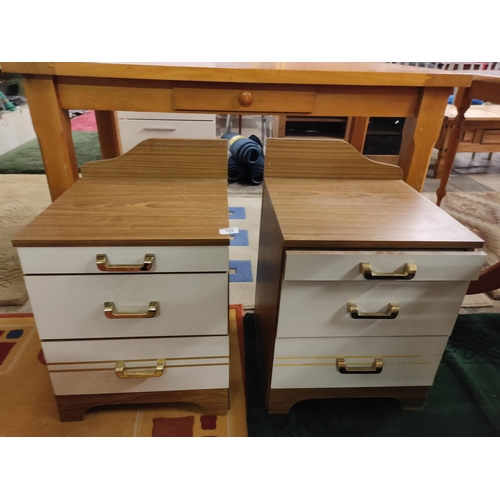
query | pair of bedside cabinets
(359,280)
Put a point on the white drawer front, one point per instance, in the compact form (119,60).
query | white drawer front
(312,363)
(82,260)
(319,309)
(132,132)
(145,115)
(345,266)
(89,367)
(70,306)
(102,351)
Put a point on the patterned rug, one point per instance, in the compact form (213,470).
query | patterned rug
(480,212)
(28,407)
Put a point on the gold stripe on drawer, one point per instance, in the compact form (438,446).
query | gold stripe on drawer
(341,356)
(135,360)
(137,368)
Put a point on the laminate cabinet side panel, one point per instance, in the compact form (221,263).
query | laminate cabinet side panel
(269,278)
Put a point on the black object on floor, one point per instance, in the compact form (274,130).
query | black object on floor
(246,160)
(464,400)
(235,170)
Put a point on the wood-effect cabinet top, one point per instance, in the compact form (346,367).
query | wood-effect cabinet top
(299,73)
(133,212)
(346,213)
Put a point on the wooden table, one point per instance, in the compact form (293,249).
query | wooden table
(310,89)
(486,88)
(480,132)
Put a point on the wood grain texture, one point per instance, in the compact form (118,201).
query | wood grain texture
(53,129)
(133,211)
(322,159)
(166,158)
(322,73)
(72,408)
(268,286)
(345,213)
(411,398)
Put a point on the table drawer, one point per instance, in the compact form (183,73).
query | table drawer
(320,309)
(311,363)
(73,307)
(82,260)
(245,100)
(346,266)
(89,367)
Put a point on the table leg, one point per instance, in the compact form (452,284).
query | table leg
(109,135)
(356,135)
(420,133)
(53,129)
(462,102)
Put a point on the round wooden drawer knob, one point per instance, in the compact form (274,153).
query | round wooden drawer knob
(246,98)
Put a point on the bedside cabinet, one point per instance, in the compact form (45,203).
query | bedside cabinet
(360,278)
(127,276)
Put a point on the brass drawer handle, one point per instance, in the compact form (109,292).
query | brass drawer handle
(409,272)
(375,367)
(102,264)
(391,313)
(111,313)
(123,372)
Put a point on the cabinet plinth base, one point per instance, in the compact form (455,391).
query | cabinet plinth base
(411,398)
(74,407)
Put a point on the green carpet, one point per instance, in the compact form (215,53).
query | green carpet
(27,159)
(464,400)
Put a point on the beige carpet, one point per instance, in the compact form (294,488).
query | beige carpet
(22,198)
(480,212)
